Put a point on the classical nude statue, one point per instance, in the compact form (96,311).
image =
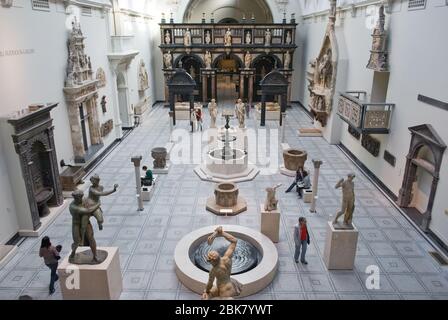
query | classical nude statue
(247,60)
(208,37)
(348,200)
(96,191)
(288,37)
(226,287)
(187,38)
(228,38)
(240,112)
(213,109)
(271,202)
(78,210)
(167,59)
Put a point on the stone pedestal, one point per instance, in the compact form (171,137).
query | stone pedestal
(148,191)
(307,196)
(340,248)
(270,223)
(162,170)
(92,282)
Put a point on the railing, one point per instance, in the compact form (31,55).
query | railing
(365,117)
(122,43)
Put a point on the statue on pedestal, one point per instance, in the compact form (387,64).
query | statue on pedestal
(167,37)
(247,60)
(208,37)
(267,37)
(167,59)
(271,202)
(213,109)
(226,287)
(228,38)
(348,202)
(187,38)
(288,37)
(208,60)
(248,37)
(240,112)
(287,61)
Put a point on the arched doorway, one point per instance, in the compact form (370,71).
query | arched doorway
(192,64)
(263,65)
(228,77)
(421,175)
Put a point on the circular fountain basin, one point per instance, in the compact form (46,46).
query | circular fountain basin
(226,194)
(253,280)
(235,165)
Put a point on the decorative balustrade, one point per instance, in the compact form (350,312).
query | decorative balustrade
(365,117)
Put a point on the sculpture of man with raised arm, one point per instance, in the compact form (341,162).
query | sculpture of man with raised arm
(348,201)
(226,287)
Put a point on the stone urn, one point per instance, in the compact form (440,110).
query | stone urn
(159,156)
(226,194)
(294,159)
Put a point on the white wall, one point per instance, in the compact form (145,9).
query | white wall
(417,66)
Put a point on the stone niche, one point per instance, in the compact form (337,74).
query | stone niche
(321,75)
(33,168)
(81,93)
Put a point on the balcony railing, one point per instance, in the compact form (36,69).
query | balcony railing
(122,44)
(364,117)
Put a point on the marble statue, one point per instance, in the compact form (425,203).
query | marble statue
(78,210)
(240,112)
(208,37)
(247,60)
(213,109)
(167,37)
(348,201)
(167,59)
(226,287)
(248,38)
(287,60)
(208,60)
(101,77)
(187,38)
(271,202)
(192,72)
(288,37)
(228,38)
(267,37)
(143,79)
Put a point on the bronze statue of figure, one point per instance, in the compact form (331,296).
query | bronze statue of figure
(226,287)
(348,200)
(79,210)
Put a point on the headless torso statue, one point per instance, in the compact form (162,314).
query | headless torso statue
(348,202)
(271,203)
(226,287)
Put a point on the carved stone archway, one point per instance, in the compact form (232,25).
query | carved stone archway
(274,84)
(181,83)
(422,136)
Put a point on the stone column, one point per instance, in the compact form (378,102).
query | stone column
(282,126)
(263,110)
(136,160)
(75,128)
(171,113)
(317,164)
(251,89)
(241,86)
(56,181)
(213,85)
(204,87)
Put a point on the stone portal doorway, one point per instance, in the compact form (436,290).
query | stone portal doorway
(421,174)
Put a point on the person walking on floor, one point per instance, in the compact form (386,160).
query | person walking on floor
(51,257)
(301,240)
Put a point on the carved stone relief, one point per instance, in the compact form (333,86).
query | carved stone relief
(371,144)
(378,55)
(107,127)
(101,77)
(143,79)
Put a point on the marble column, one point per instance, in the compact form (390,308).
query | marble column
(282,127)
(136,160)
(204,88)
(214,85)
(317,164)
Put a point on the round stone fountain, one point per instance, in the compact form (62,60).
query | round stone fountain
(226,200)
(254,262)
(227,163)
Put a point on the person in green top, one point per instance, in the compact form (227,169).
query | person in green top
(148,178)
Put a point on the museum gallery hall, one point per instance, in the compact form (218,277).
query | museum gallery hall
(232,149)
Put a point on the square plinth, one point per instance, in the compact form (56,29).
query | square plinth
(307,195)
(92,282)
(162,170)
(270,223)
(340,248)
(148,191)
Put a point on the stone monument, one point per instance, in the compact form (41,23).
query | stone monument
(226,200)
(378,55)
(226,287)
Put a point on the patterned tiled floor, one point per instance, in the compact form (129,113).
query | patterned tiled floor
(147,239)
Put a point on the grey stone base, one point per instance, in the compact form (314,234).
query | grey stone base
(240,206)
